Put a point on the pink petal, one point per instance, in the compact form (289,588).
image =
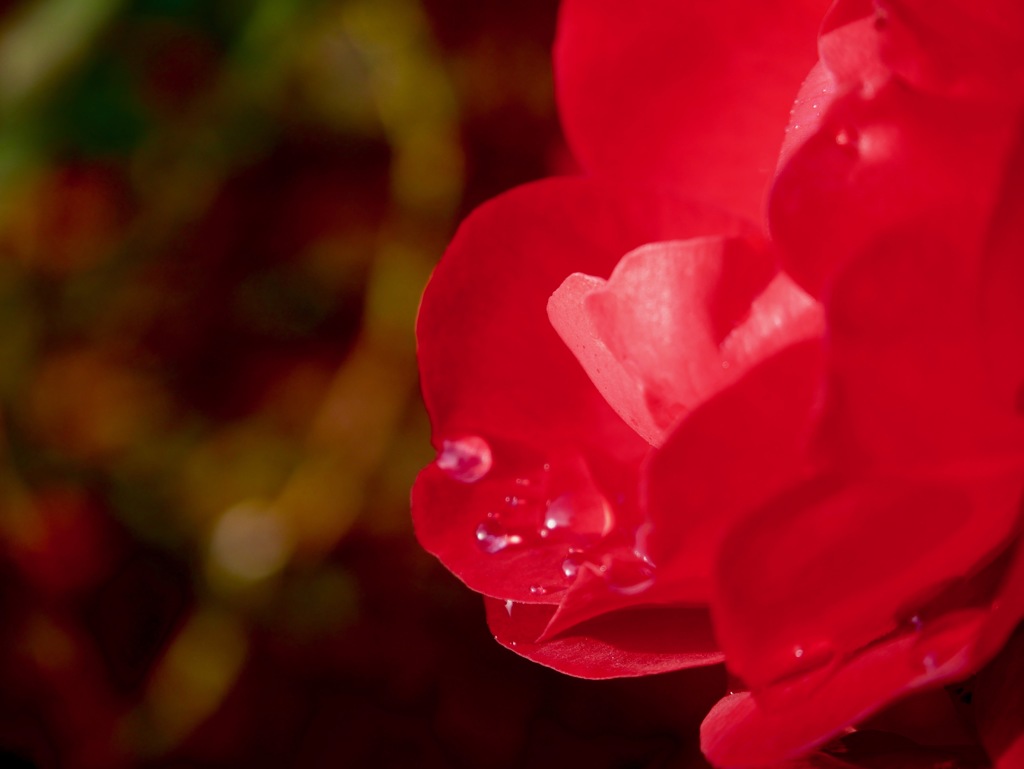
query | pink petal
(634,642)
(694,94)
(676,322)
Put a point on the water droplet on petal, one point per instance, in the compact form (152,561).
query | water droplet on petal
(572,563)
(466,459)
(585,514)
(628,577)
(508,606)
(538,590)
(492,537)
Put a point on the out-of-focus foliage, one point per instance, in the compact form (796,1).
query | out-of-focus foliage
(216,218)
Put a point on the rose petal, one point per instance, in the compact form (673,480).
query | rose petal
(683,92)
(999,705)
(676,322)
(634,642)
(727,458)
(831,566)
(881,158)
(911,308)
(739,732)
(954,48)
(497,377)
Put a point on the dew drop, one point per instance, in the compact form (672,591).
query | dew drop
(628,577)
(466,459)
(538,590)
(508,606)
(572,563)
(585,514)
(492,537)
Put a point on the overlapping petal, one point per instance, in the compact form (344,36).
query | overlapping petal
(632,642)
(726,459)
(678,321)
(687,93)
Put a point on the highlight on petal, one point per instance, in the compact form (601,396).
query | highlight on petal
(693,94)
(676,322)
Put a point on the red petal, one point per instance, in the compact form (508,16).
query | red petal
(830,566)
(883,157)
(634,642)
(727,458)
(909,382)
(688,93)
(678,321)
(496,376)
(999,701)
(954,48)
(1002,289)
(739,733)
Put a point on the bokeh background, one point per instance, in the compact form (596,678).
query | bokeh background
(216,219)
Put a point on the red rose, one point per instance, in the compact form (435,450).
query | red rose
(688,457)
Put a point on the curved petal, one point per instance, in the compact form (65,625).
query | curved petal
(632,642)
(727,458)
(741,732)
(910,308)
(831,566)
(689,93)
(678,321)
(957,49)
(532,461)
(883,157)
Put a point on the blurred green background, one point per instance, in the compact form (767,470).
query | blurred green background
(216,219)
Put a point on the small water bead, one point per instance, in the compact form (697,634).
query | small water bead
(572,563)
(538,590)
(466,459)
(492,537)
(508,606)
(809,667)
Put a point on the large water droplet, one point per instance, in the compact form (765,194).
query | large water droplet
(628,577)
(582,514)
(466,459)
(809,666)
(492,537)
